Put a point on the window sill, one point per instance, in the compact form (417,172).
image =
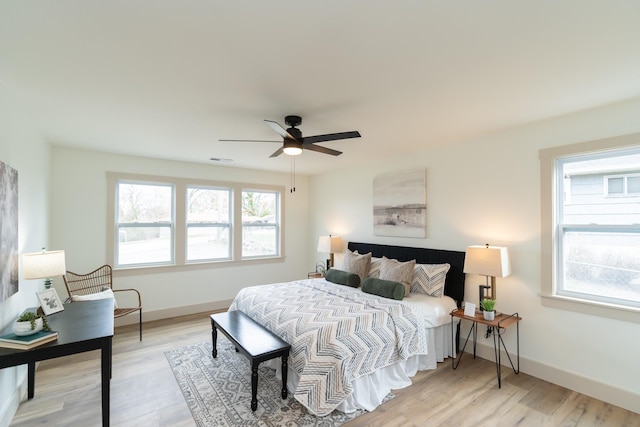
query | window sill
(612,311)
(156,269)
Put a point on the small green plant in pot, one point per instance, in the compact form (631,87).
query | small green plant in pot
(488,306)
(29,323)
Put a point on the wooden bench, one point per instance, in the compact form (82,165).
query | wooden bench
(254,341)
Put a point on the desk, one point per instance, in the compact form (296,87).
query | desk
(82,326)
(495,327)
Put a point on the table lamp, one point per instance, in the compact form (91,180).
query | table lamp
(489,261)
(329,245)
(43,265)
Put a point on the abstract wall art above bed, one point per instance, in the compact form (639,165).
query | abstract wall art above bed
(8,231)
(400,204)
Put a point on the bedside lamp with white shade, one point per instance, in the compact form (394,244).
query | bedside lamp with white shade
(329,245)
(489,261)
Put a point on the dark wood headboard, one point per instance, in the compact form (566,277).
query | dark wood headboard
(454,283)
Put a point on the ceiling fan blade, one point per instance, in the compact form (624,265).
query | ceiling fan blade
(330,137)
(321,149)
(279,129)
(277,152)
(246,140)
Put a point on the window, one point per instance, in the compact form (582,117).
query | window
(163,221)
(591,234)
(208,223)
(259,223)
(144,224)
(622,185)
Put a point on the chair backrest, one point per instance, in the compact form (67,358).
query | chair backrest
(90,283)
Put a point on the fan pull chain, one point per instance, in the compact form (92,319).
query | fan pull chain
(293,174)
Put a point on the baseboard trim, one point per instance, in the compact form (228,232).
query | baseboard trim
(615,396)
(148,316)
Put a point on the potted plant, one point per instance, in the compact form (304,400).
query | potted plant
(29,323)
(488,308)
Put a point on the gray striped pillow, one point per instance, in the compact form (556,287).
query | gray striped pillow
(429,279)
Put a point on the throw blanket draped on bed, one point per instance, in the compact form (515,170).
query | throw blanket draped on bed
(337,334)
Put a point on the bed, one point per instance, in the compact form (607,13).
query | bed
(349,347)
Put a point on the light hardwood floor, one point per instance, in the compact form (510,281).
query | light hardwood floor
(144,391)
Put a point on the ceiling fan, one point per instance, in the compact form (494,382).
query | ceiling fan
(293,142)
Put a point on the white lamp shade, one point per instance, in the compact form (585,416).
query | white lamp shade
(329,244)
(487,261)
(42,265)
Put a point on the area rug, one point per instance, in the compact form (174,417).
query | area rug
(218,391)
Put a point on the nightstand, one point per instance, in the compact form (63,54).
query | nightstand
(314,275)
(496,328)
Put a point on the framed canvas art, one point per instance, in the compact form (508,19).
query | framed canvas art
(8,231)
(400,204)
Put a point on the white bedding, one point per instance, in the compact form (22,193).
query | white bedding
(367,389)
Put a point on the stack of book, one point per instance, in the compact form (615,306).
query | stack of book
(28,341)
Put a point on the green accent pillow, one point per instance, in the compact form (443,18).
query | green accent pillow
(343,277)
(383,288)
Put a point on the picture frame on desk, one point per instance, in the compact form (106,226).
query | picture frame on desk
(50,301)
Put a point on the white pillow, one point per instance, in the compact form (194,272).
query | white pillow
(107,293)
(429,279)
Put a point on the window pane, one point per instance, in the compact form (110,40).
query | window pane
(633,185)
(144,203)
(616,185)
(604,264)
(259,207)
(144,223)
(144,245)
(259,240)
(205,243)
(260,224)
(205,205)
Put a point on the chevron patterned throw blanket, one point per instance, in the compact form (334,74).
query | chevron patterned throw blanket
(337,334)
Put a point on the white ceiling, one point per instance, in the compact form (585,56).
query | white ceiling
(168,78)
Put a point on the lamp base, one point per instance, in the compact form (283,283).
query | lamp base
(483,294)
(47,283)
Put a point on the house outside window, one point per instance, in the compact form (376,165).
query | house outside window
(591,227)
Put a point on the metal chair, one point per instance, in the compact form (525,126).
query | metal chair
(97,281)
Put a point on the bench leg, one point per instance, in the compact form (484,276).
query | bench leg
(214,339)
(254,386)
(284,375)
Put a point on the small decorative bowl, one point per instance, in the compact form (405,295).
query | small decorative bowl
(24,328)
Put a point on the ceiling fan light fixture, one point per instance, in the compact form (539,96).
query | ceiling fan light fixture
(292,148)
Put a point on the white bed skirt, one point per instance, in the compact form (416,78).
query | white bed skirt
(370,390)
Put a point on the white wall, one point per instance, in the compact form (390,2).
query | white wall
(79,221)
(28,153)
(487,190)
